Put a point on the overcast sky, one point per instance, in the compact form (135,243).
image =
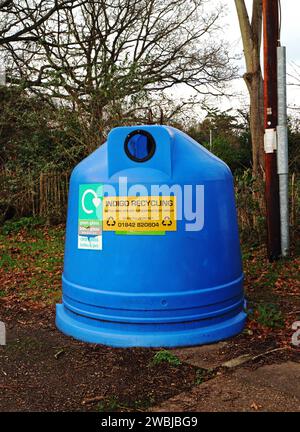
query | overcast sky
(290,38)
(290,25)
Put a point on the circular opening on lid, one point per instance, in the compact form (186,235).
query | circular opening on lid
(140,146)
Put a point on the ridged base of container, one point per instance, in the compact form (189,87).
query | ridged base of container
(122,334)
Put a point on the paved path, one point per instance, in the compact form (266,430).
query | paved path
(269,388)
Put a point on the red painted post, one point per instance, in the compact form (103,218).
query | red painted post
(271,36)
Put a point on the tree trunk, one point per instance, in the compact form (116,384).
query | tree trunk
(255,88)
(251,36)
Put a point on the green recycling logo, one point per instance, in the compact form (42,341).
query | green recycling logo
(90,201)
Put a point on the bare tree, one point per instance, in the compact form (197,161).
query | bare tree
(294,81)
(251,32)
(18,19)
(97,55)
(294,74)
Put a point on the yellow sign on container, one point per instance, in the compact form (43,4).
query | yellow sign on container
(138,214)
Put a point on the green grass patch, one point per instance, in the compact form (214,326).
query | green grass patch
(27,223)
(31,263)
(109,405)
(268,315)
(113,403)
(203,375)
(165,356)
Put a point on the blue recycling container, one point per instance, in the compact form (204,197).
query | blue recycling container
(152,253)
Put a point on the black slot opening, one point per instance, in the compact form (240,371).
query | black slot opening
(140,146)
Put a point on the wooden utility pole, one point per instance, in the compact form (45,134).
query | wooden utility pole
(271,36)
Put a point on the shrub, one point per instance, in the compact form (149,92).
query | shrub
(28,223)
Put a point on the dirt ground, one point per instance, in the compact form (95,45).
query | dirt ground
(43,370)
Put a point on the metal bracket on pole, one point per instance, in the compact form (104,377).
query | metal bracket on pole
(282,155)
